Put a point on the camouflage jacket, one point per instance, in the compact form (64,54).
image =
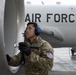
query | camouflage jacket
(38,62)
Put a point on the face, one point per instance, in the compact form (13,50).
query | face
(30,31)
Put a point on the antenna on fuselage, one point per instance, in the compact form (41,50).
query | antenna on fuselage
(42,2)
(28,2)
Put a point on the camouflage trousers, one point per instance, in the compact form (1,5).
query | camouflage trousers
(32,73)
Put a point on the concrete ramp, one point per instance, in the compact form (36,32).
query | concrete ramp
(62,73)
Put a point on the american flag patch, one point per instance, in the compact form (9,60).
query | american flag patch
(49,55)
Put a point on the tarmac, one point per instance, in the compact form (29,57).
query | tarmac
(64,62)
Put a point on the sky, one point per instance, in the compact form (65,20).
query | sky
(64,2)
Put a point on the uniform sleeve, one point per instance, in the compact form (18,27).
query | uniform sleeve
(45,61)
(16,60)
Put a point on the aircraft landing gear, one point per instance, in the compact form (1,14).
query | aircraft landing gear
(73,51)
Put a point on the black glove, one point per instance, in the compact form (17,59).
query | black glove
(8,57)
(24,47)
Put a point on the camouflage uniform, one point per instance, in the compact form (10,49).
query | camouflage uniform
(37,63)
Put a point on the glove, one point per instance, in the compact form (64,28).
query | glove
(8,57)
(24,47)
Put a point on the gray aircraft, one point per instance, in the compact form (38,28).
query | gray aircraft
(57,22)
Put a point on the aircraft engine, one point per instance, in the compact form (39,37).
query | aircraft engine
(11,27)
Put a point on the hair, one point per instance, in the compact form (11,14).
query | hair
(34,24)
(37,28)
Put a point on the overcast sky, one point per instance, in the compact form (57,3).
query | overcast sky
(52,1)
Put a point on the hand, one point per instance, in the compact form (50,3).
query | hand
(24,47)
(8,57)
